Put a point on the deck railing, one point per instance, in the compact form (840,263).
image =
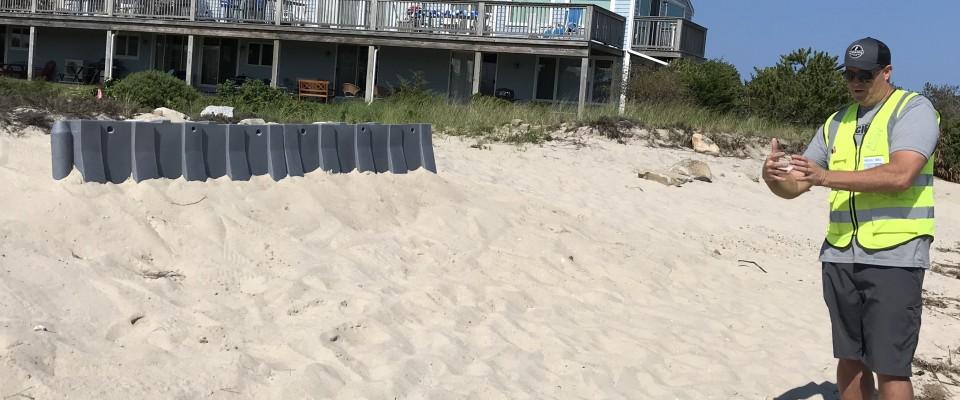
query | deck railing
(162,9)
(427,16)
(255,11)
(544,21)
(350,14)
(15,5)
(550,21)
(607,27)
(79,7)
(669,34)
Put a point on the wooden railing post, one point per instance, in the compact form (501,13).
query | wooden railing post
(109,6)
(372,15)
(33,6)
(679,39)
(481,17)
(193,10)
(278,13)
(588,23)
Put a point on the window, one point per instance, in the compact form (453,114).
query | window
(546,78)
(126,46)
(260,54)
(568,80)
(19,38)
(558,79)
(602,80)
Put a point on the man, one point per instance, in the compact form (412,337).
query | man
(876,156)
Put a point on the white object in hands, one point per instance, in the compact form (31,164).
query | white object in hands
(784,164)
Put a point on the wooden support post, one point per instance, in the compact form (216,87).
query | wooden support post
(625,71)
(275,68)
(30,47)
(189,77)
(108,59)
(109,6)
(477,62)
(193,10)
(584,71)
(371,73)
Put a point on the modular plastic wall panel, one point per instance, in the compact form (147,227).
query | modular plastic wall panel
(113,151)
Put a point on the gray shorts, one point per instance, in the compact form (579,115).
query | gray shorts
(875,314)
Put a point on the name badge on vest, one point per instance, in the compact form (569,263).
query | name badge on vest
(871,162)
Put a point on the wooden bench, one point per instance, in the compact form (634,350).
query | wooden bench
(312,88)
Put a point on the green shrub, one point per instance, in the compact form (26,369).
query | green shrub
(804,88)
(68,100)
(714,84)
(651,84)
(152,89)
(946,99)
(252,95)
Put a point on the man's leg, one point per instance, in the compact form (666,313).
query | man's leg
(895,387)
(844,303)
(854,380)
(891,325)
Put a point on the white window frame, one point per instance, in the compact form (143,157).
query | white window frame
(23,35)
(128,37)
(260,46)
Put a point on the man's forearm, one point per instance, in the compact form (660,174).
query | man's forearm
(788,188)
(882,179)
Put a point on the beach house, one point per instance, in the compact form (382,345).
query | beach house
(518,50)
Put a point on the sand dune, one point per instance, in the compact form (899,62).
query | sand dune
(552,272)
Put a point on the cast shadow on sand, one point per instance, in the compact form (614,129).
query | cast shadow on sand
(825,390)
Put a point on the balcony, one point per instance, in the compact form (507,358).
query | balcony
(495,19)
(669,37)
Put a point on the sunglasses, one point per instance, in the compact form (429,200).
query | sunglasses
(861,75)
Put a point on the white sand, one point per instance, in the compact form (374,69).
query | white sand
(552,272)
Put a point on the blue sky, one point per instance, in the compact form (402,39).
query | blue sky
(923,35)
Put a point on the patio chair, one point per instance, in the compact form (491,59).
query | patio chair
(351,90)
(48,71)
(73,72)
(313,88)
(570,27)
(381,92)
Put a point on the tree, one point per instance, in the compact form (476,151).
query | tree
(946,99)
(714,84)
(803,88)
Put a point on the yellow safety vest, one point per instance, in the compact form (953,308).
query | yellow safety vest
(877,220)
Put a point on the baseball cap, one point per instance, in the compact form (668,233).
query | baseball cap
(867,53)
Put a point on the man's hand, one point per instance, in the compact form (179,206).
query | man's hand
(812,172)
(772,165)
(780,176)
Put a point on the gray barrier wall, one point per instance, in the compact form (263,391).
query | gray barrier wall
(112,151)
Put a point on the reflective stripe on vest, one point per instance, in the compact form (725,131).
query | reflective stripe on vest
(883,213)
(877,220)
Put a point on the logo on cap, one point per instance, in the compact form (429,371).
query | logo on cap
(856,51)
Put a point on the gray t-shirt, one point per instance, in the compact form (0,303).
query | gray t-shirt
(916,130)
